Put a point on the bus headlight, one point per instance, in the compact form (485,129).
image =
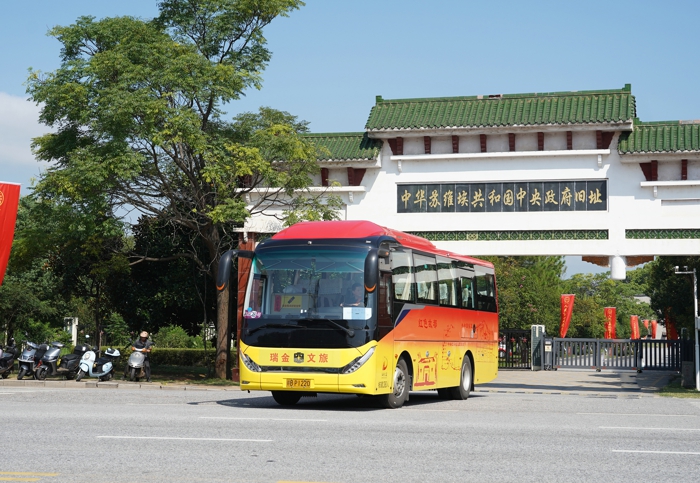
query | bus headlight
(357,362)
(252,366)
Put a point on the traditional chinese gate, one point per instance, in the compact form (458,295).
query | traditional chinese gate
(514,349)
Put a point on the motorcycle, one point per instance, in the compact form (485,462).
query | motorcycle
(7,359)
(136,364)
(30,355)
(101,368)
(47,365)
(70,363)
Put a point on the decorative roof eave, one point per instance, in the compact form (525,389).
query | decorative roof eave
(662,138)
(350,148)
(506,129)
(350,163)
(661,156)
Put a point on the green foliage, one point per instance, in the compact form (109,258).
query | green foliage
(117,330)
(670,293)
(137,109)
(174,356)
(528,291)
(172,337)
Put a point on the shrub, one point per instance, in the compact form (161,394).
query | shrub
(172,336)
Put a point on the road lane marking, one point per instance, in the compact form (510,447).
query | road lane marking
(648,429)
(187,439)
(644,415)
(157,404)
(265,419)
(654,452)
(22,475)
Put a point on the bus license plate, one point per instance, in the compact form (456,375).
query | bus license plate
(299,383)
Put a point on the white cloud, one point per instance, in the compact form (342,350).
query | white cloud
(18,125)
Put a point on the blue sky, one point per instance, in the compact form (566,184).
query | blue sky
(332,57)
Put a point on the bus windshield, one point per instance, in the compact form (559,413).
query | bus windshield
(295,289)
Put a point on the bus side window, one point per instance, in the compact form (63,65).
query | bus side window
(402,275)
(467,292)
(426,278)
(447,282)
(486,290)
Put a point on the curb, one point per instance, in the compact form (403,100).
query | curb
(112,385)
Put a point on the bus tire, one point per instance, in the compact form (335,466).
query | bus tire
(465,381)
(286,398)
(395,399)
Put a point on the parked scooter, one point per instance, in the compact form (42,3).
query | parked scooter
(7,359)
(47,365)
(70,363)
(102,368)
(136,365)
(31,354)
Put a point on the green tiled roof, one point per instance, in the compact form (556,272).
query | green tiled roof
(585,107)
(345,146)
(661,137)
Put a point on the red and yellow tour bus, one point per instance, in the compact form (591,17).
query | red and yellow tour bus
(352,307)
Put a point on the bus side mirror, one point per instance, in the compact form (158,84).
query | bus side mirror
(225,264)
(372,270)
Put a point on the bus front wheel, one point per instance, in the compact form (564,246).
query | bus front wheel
(465,381)
(286,398)
(395,399)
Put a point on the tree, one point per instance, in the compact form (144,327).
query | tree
(594,292)
(138,109)
(528,291)
(671,293)
(80,245)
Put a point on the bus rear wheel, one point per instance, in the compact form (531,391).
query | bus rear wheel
(395,400)
(286,398)
(465,381)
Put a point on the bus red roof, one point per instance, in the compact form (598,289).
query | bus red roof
(314,230)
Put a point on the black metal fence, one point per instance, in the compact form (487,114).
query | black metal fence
(514,351)
(598,354)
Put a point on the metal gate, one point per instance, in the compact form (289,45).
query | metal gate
(514,349)
(598,354)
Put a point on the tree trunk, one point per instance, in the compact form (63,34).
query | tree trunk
(222,335)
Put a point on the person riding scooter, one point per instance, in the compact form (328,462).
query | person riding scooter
(144,346)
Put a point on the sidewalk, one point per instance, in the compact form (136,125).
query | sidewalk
(579,382)
(57,383)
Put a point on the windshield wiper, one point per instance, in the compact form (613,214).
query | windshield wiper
(349,332)
(267,326)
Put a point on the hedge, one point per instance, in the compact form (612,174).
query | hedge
(174,357)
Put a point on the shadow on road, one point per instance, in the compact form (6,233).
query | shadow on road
(335,402)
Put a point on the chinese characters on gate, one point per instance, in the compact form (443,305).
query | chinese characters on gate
(503,197)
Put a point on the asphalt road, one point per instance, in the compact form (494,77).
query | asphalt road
(126,435)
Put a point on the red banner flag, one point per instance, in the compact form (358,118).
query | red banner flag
(610,317)
(646,324)
(634,325)
(567,307)
(9,200)
(671,332)
(653,329)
